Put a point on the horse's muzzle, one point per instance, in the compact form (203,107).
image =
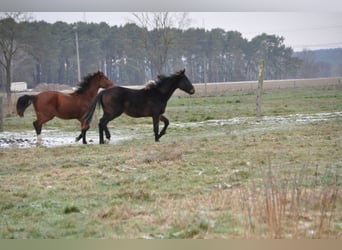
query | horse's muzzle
(192,91)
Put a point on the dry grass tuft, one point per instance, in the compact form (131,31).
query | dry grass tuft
(290,207)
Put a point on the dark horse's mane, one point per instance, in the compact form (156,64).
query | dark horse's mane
(160,80)
(84,85)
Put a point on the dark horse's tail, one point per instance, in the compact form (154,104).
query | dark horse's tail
(90,112)
(23,102)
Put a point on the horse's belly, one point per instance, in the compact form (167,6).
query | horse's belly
(135,114)
(69,113)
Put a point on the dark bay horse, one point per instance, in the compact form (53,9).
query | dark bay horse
(147,102)
(49,104)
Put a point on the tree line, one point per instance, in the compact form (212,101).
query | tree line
(133,53)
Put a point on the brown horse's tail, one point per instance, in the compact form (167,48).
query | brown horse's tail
(23,102)
(90,112)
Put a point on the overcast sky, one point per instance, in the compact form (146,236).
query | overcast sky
(301,30)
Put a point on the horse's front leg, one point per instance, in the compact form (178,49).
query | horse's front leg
(156,127)
(166,124)
(101,131)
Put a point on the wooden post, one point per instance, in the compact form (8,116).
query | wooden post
(205,75)
(260,88)
(1,115)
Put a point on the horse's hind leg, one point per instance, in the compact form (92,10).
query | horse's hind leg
(38,127)
(83,134)
(37,124)
(79,138)
(103,126)
(107,133)
(107,117)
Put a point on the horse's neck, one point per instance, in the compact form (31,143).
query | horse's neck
(168,88)
(91,91)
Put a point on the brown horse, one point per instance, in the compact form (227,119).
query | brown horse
(150,101)
(49,104)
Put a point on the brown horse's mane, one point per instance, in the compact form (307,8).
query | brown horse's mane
(84,85)
(153,84)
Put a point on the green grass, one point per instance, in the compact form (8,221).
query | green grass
(228,181)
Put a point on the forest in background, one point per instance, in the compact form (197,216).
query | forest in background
(133,54)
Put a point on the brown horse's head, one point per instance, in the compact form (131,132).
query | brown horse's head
(92,82)
(103,80)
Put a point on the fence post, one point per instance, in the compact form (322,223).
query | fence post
(1,114)
(205,75)
(260,88)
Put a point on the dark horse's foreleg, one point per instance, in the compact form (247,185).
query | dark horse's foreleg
(156,126)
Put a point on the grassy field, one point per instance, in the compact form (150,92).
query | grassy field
(206,179)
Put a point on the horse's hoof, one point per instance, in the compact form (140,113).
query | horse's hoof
(39,140)
(106,141)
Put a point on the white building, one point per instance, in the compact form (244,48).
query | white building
(18,86)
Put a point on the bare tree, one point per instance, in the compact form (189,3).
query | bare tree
(159,36)
(8,44)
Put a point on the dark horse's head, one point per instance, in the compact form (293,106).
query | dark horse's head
(184,83)
(167,83)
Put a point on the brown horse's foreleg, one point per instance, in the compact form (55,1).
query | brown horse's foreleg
(166,124)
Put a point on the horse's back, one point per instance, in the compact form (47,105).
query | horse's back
(133,102)
(119,93)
